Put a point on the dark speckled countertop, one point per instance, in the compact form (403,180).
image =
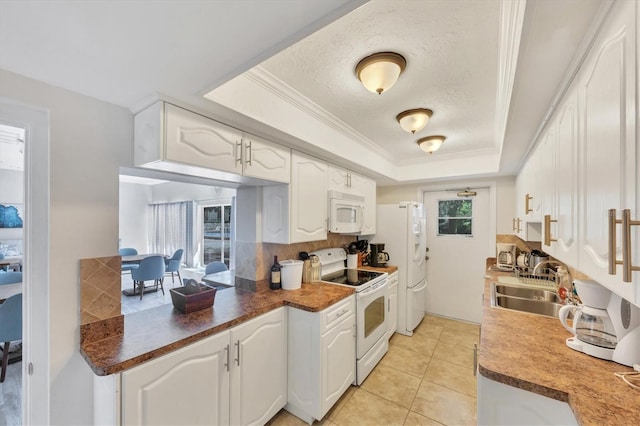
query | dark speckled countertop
(154,332)
(529,352)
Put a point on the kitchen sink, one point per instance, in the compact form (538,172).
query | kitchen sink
(531,300)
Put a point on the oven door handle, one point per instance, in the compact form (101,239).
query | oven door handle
(372,293)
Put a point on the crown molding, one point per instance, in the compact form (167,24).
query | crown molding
(260,76)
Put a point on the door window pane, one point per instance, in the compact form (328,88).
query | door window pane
(455,217)
(217,234)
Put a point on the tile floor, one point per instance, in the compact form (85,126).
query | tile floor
(425,379)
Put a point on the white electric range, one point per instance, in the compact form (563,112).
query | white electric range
(372,302)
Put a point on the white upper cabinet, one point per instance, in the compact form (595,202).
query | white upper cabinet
(174,139)
(297,212)
(370,197)
(529,198)
(560,183)
(265,160)
(608,152)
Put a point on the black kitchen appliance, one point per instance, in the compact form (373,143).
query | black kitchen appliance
(378,257)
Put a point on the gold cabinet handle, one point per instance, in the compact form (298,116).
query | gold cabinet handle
(518,228)
(527,198)
(627,260)
(513,225)
(547,229)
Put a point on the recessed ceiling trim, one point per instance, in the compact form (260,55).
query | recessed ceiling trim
(265,79)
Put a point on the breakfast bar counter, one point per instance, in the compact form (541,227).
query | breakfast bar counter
(528,352)
(152,333)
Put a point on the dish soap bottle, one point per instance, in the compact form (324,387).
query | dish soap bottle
(275,275)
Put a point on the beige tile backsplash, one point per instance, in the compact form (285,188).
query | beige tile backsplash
(100,285)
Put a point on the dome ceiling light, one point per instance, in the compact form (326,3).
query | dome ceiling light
(414,120)
(380,71)
(431,144)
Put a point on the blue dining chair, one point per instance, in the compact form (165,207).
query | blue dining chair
(10,327)
(2,268)
(150,269)
(173,265)
(127,251)
(213,267)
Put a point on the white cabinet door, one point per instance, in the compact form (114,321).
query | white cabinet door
(338,361)
(393,303)
(338,179)
(500,404)
(188,386)
(259,369)
(369,188)
(308,199)
(199,141)
(548,146)
(565,176)
(608,155)
(266,160)
(533,188)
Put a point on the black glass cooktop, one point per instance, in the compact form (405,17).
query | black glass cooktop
(351,277)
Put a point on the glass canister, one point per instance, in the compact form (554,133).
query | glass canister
(315,267)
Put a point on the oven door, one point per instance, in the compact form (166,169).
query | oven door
(371,320)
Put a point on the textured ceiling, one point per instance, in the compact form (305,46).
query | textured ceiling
(452,69)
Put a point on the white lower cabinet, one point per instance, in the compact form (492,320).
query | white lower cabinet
(500,404)
(322,358)
(238,377)
(392,309)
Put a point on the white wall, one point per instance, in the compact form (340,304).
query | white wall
(133,225)
(89,141)
(505,197)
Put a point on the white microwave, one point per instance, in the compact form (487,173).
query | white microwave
(346,212)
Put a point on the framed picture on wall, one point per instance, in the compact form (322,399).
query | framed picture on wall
(11,215)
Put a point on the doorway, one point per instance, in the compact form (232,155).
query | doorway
(459,241)
(35,383)
(216,233)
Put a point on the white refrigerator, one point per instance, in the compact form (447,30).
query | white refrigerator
(402,229)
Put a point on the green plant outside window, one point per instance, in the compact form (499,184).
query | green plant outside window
(455,217)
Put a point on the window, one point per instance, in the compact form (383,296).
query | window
(455,217)
(216,221)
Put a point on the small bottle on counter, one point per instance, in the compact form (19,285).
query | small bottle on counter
(275,275)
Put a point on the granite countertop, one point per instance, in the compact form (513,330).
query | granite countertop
(154,332)
(528,351)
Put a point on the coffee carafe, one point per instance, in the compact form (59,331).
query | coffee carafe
(605,325)
(378,257)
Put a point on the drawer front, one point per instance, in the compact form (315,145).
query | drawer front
(332,316)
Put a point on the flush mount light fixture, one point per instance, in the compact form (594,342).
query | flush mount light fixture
(431,144)
(413,120)
(380,71)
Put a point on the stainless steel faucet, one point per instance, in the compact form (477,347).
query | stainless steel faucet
(570,296)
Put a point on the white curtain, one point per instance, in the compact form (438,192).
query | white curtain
(172,229)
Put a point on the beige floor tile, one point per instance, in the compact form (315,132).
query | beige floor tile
(464,327)
(453,337)
(415,419)
(460,355)
(452,376)
(444,405)
(333,412)
(365,408)
(391,384)
(406,360)
(418,343)
(284,418)
(429,329)
(436,320)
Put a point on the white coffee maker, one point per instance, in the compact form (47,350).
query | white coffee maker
(506,256)
(605,325)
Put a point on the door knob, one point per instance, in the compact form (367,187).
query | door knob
(426,250)
(426,258)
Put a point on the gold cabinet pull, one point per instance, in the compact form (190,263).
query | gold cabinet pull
(627,260)
(513,225)
(547,229)
(527,198)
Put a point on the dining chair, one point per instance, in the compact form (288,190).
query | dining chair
(11,278)
(3,268)
(128,251)
(10,327)
(173,265)
(213,267)
(150,268)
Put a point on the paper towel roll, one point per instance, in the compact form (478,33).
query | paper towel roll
(352,261)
